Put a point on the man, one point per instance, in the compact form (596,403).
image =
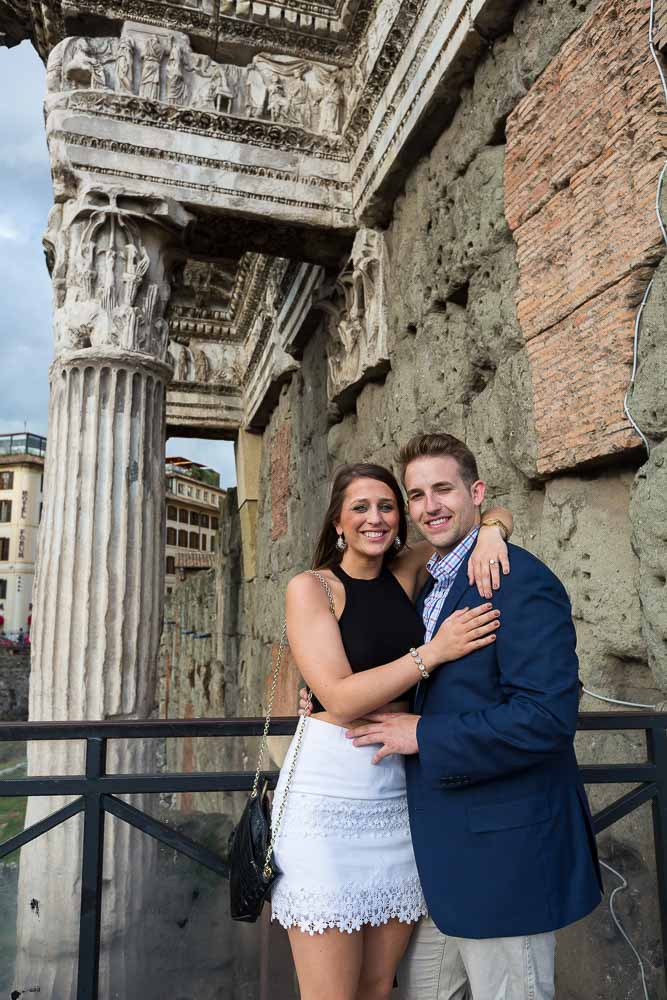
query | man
(500,822)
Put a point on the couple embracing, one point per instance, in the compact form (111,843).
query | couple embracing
(435,825)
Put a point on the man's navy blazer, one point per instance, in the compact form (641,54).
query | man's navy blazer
(500,821)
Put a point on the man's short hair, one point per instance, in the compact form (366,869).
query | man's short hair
(439,446)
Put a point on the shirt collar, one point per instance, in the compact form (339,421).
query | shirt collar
(447,566)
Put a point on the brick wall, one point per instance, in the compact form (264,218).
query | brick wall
(584,150)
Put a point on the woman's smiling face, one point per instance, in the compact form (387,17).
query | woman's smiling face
(369,517)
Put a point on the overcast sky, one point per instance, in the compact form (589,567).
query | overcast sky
(25,288)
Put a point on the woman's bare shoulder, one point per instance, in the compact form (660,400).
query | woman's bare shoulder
(305,590)
(307,583)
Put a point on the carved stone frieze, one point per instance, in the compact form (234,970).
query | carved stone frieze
(204,364)
(108,255)
(356,319)
(292,96)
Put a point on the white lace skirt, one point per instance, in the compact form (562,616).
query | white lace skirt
(344,845)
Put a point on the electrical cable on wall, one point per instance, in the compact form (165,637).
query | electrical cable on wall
(663,230)
(621,888)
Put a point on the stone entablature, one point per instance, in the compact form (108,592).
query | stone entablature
(246,121)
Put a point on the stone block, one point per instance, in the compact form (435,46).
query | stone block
(280,458)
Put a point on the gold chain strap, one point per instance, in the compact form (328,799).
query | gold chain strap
(300,729)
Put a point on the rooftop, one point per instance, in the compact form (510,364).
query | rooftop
(23,444)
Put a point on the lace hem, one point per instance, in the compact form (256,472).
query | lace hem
(326,816)
(314,911)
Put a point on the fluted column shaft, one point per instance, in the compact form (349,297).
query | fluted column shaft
(99,586)
(100,576)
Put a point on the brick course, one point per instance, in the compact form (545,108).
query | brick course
(584,150)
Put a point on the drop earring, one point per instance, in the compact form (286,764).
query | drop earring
(341,544)
(397,543)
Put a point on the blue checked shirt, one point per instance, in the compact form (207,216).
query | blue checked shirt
(444,570)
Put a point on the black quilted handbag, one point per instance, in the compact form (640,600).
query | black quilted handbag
(252,867)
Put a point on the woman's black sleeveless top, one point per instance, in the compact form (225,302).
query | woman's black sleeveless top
(379,623)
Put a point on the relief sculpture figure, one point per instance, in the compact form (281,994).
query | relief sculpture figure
(278,102)
(125,66)
(256,93)
(330,108)
(299,110)
(86,65)
(149,86)
(177,89)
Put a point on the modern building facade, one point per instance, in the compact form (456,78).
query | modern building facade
(193,518)
(21,496)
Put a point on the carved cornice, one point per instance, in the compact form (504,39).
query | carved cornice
(388,119)
(249,131)
(296,28)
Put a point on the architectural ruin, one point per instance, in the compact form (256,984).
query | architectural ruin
(315,227)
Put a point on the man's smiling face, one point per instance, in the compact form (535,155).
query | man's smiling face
(443,507)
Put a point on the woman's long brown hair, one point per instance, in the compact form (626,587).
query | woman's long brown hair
(326,553)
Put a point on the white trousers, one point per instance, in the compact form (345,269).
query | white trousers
(439,967)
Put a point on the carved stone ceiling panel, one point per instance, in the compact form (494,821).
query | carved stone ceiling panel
(217,301)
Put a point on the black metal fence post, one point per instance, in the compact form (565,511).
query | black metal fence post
(91,874)
(656,746)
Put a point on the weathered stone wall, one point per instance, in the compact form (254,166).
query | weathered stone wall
(14,673)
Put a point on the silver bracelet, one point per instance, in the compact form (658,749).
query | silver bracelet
(414,653)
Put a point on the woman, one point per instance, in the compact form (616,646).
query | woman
(344,844)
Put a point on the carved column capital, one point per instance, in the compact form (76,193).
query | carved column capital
(110,256)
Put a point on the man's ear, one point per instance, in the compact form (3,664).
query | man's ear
(477,491)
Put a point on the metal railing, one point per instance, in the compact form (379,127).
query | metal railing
(97,794)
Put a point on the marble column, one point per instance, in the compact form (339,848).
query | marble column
(99,586)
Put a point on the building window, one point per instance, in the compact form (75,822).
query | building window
(171,565)
(172,513)
(214,523)
(194,517)
(206,495)
(5,510)
(189,491)
(194,540)
(203,520)
(3,590)
(181,489)
(171,536)
(203,543)
(41,483)
(183,516)
(6,480)
(212,545)
(169,590)
(182,539)
(41,508)
(198,493)
(4,549)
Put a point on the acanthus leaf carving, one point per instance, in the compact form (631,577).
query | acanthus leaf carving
(110,274)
